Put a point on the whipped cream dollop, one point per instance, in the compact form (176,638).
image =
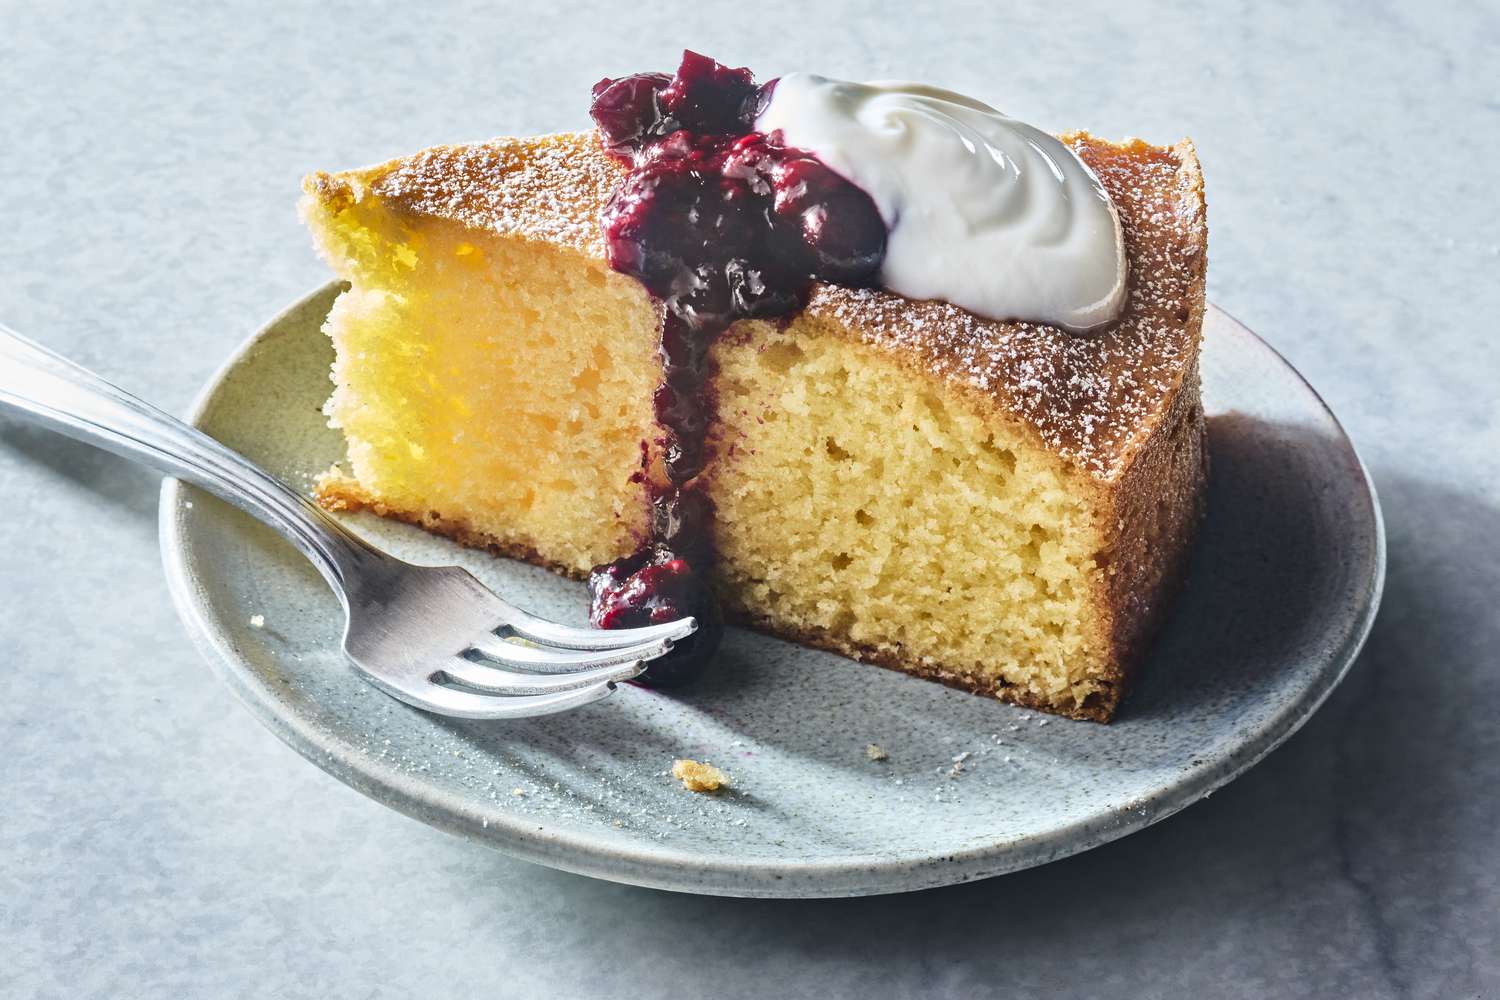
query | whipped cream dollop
(984,211)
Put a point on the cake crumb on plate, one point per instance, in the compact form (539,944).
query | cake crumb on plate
(696,777)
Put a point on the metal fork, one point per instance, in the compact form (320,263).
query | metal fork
(432,636)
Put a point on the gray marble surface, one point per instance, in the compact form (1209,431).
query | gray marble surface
(154,840)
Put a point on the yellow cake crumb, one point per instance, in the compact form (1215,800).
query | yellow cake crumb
(875,753)
(696,777)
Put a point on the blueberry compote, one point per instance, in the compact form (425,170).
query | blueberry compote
(720,223)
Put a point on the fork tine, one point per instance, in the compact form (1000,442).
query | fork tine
(551,660)
(508,682)
(472,705)
(529,626)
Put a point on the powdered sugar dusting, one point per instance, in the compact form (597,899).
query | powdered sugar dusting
(550,189)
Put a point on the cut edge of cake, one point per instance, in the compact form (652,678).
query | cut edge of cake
(1144,466)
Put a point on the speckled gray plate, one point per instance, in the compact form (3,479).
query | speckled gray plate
(1284,586)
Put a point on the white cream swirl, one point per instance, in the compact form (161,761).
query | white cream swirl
(984,211)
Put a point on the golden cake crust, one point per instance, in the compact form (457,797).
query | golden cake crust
(548,189)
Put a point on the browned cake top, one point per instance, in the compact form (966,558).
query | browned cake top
(1091,399)
(549,188)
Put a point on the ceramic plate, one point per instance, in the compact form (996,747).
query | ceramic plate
(1283,587)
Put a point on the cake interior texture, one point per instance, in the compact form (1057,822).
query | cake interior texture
(493,390)
(890,482)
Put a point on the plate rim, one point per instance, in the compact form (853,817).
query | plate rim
(663,867)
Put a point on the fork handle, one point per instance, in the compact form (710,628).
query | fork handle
(52,391)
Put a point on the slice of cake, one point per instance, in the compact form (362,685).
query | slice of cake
(1001,506)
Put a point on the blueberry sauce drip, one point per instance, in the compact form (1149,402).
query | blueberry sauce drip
(720,223)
